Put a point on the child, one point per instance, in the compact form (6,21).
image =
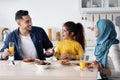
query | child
(73,43)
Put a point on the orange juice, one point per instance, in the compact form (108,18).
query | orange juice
(82,65)
(11,49)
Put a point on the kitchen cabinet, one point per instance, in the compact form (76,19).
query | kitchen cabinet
(99,6)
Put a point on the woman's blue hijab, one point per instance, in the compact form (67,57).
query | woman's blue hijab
(106,37)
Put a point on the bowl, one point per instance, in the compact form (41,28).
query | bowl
(43,66)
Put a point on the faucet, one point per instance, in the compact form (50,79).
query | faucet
(5,32)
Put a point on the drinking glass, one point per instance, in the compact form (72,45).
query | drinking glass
(83,61)
(11,50)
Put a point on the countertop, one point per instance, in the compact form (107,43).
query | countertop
(57,71)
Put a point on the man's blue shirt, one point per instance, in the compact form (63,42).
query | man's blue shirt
(39,38)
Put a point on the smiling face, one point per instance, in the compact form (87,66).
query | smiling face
(66,34)
(96,31)
(25,23)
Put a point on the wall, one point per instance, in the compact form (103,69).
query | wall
(44,13)
(47,13)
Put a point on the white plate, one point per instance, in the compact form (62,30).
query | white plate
(27,63)
(43,66)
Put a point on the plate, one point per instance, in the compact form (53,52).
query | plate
(43,66)
(29,59)
(64,62)
(27,63)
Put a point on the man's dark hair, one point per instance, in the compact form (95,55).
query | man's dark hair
(20,13)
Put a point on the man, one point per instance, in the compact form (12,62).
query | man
(29,41)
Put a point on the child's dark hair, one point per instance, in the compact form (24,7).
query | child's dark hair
(20,13)
(78,31)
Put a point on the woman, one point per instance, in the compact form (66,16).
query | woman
(107,62)
(73,44)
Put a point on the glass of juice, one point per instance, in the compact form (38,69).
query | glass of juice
(83,61)
(82,64)
(11,48)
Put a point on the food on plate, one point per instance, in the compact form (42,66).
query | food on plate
(65,62)
(89,65)
(30,59)
(43,64)
(39,62)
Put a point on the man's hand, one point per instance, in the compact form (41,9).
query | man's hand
(5,53)
(50,51)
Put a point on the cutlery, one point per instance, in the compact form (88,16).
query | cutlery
(13,62)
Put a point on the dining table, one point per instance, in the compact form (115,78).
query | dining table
(19,70)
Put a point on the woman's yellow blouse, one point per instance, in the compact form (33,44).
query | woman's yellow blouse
(69,46)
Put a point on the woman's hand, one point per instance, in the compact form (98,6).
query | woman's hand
(99,67)
(96,65)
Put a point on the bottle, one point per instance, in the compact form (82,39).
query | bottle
(50,34)
(58,36)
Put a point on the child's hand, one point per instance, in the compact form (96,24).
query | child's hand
(65,55)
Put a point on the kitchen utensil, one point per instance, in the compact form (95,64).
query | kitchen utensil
(99,17)
(106,16)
